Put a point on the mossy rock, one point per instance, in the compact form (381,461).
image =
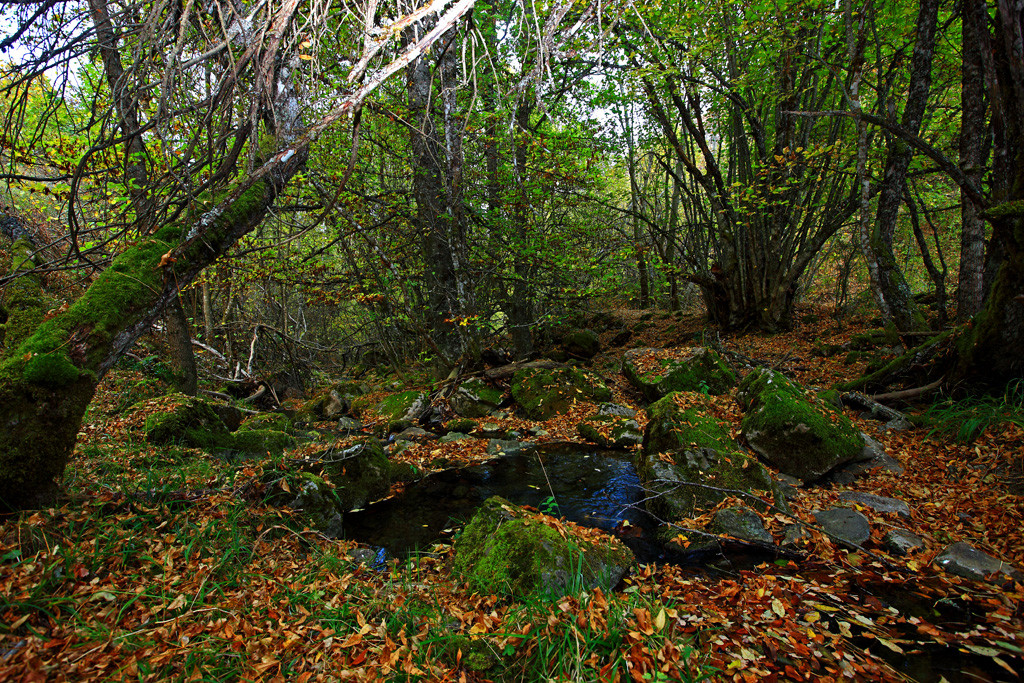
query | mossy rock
(402,407)
(688,483)
(793,429)
(476,398)
(481,654)
(545,393)
(611,431)
(582,344)
(701,370)
(331,403)
(505,549)
(261,441)
(314,498)
(672,428)
(460,425)
(145,389)
(741,522)
(277,421)
(360,473)
(188,421)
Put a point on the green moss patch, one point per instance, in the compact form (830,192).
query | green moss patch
(794,429)
(671,427)
(545,393)
(658,372)
(504,549)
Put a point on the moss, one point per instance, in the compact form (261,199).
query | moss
(793,428)
(504,550)
(51,370)
(260,441)
(702,371)
(670,428)
(360,473)
(886,373)
(476,398)
(622,431)
(461,425)
(476,655)
(396,406)
(546,393)
(1014,209)
(276,421)
(583,343)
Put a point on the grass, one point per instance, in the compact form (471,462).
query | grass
(967,419)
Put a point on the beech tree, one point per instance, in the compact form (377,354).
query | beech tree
(212,189)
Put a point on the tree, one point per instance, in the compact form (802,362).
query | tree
(209,197)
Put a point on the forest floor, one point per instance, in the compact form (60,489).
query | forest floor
(163,565)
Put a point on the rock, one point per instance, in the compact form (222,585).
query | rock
(742,523)
(232,416)
(900,542)
(544,393)
(367,556)
(610,431)
(508,447)
(318,505)
(492,430)
(403,407)
(262,441)
(463,425)
(790,486)
(455,436)
(332,402)
(195,422)
(537,430)
(276,421)
(877,503)
(616,410)
(621,337)
(347,424)
(963,559)
(506,550)
(794,534)
(844,525)
(700,369)
(416,435)
(476,398)
(361,473)
(794,430)
(671,427)
(189,421)
(582,344)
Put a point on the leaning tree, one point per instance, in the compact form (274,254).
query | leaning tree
(210,109)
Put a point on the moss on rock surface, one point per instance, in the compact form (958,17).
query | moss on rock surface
(397,407)
(700,369)
(671,427)
(794,429)
(545,393)
(582,343)
(360,473)
(261,441)
(504,549)
(277,421)
(611,431)
(332,402)
(476,398)
(188,421)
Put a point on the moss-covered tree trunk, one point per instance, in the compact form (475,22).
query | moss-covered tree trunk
(48,377)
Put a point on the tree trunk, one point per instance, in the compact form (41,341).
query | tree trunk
(179,342)
(898,298)
(48,380)
(973,130)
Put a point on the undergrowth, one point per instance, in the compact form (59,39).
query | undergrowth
(968,418)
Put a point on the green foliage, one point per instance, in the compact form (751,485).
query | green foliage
(967,419)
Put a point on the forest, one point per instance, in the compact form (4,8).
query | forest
(499,340)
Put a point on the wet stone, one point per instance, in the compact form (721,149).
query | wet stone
(963,559)
(506,447)
(795,533)
(844,525)
(347,424)
(743,523)
(901,542)
(616,410)
(455,436)
(877,503)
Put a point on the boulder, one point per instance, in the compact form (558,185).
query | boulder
(877,503)
(331,403)
(189,421)
(403,407)
(793,429)
(499,447)
(963,559)
(844,525)
(262,441)
(742,523)
(582,344)
(361,473)
(476,398)
(616,409)
(611,431)
(544,393)
(900,542)
(690,464)
(697,369)
(278,422)
(505,549)
(318,504)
